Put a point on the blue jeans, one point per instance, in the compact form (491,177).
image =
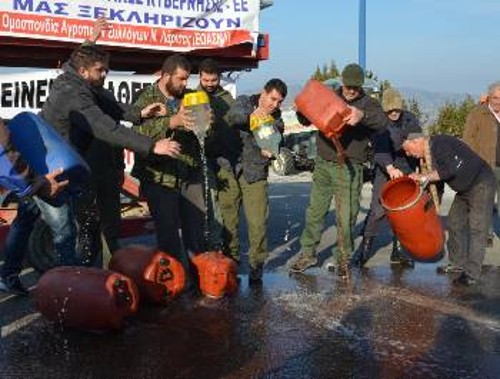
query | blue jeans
(18,237)
(62,223)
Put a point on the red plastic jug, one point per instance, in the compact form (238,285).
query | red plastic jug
(413,218)
(323,107)
(86,297)
(217,274)
(159,277)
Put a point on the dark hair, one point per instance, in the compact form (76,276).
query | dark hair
(174,62)
(87,56)
(277,84)
(209,66)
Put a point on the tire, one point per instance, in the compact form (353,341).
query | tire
(41,254)
(284,163)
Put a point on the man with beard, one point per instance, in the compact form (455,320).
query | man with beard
(218,142)
(173,187)
(82,110)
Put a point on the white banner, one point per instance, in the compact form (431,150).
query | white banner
(28,91)
(179,25)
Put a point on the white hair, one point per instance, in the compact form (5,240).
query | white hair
(493,87)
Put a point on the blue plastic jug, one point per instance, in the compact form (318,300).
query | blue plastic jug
(45,150)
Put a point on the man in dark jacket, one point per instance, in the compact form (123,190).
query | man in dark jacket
(82,110)
(243,173)
(16,176)
(474,183)
(389,164)
(344,180)
(216,142)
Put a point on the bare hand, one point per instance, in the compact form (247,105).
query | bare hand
(168,147)
(394,172)
(418,177)
(100,25)
(266,153)
(259,112)
(355,116)
(51,187)
(154,110)
(180,118)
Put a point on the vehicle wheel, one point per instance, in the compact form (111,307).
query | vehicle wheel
(284,163)
(41,254)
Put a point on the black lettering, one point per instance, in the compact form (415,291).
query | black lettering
(43,7)
(16,94)
(189,23)
(41,92)
(61,9)
(123,93)
(136,88)
(27,5)
(28,94)
(6,99)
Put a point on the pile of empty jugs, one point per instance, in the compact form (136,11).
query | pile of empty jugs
(97,299)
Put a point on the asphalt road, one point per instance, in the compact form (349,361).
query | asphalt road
(386,322)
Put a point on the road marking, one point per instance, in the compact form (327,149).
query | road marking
(18,324)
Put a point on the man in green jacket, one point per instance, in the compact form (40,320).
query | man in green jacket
(173,187)
(343,181)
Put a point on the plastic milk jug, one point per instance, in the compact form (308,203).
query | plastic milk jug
(265,133)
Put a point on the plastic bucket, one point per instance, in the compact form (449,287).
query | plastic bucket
(413,218)
(45,150)
(323,107)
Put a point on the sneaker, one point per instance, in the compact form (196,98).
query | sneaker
(465,280)
(255,276)
(449,269)
(13,285)
(303,263)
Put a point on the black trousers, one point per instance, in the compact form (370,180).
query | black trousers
(469,221)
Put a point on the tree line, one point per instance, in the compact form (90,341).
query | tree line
(450,117)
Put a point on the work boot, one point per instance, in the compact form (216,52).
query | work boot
(363,253)
(464,279)
(303,262)
(255,276)
(399,257)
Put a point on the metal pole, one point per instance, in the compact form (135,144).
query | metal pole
(362,34)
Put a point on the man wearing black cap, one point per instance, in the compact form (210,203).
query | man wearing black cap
(474,182)
(339,173)
(390,163)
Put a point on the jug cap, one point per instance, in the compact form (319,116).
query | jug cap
(257,121)
(195,98)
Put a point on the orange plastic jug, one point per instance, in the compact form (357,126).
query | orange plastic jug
(323,107)
(159,277)
(413,218)
(86,297)
(217,274)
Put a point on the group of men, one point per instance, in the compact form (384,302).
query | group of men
(168,165)
(400,147)
(169,168)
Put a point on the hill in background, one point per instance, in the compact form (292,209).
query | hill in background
(430,101)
